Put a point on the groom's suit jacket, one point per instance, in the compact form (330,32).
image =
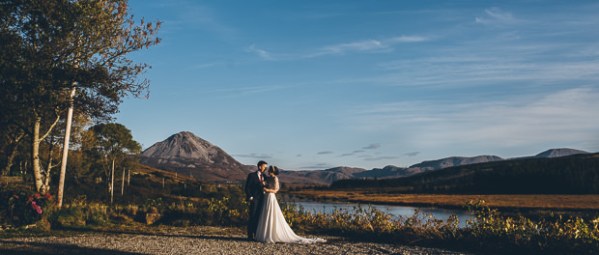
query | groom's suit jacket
(253,187)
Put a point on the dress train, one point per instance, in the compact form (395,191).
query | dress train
(273,228)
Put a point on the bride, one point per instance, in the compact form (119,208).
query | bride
(272,226)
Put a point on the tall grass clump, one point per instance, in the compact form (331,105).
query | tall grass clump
(489,231)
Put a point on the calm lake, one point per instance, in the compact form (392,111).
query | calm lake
(395,210)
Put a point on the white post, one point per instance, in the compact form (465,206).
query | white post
(65,151)
(123,182)
(112,183)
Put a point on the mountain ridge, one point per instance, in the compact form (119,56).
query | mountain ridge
(186,153)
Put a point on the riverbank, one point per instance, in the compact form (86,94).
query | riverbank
(186,240)
(522,202)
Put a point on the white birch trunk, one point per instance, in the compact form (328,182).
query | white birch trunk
(112,183)
(65,151)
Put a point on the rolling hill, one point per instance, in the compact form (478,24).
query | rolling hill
(574,174)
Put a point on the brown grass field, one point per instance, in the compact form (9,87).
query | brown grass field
(559,202)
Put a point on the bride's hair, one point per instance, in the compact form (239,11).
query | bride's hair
(274,170)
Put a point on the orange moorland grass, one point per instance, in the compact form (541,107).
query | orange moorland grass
(581,202)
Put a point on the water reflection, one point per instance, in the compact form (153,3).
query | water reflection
(395,210)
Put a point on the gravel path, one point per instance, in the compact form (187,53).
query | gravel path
(189,240)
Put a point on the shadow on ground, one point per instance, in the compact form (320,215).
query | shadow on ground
(34,248)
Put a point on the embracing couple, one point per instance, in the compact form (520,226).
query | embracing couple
(266,221)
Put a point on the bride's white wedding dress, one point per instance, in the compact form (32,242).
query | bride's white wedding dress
(272,226)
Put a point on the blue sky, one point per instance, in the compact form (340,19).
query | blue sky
(318,84)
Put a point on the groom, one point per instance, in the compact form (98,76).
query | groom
(254,195)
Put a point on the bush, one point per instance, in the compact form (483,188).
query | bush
(23,208)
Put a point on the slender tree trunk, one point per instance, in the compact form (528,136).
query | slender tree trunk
(128,177)
(13,153)
(65,151)
(35,149)
(112,183)
(35,154)
(123,182)
(46,176)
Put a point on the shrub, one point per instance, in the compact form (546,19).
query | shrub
(27,208)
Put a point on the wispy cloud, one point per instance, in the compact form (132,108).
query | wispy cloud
(318,166)
(324,152)
(380,158)
(567,116)
(351,153)
(247,90)
(260,52)
(371,45)
(373,146)
(253,155)
(190,15)
(496,16)
(362,46)
(531,65)
(368,45)
(412,154)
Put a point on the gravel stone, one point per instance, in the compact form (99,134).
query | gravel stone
(190,240)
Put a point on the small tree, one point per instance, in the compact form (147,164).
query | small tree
(115,142)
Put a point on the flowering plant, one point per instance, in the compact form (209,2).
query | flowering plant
(27,208)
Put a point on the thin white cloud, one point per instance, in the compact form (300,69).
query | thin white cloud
(324,152)
(371,45)
(380,158)
(260,52)
(373,146)
(412,154)
(496,16)
(469,70)
(246,90)
(351,153)
(318,166)
(253,155)
(567,116)
(367,45)
(190,16)
(408,39)
(363,46)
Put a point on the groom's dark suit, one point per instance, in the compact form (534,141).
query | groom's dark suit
(254,195)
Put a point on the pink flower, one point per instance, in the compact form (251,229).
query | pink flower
(36,207)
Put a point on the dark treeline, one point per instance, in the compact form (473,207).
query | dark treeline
(577,174)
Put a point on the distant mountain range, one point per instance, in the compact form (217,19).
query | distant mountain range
(188,154)
(549,173)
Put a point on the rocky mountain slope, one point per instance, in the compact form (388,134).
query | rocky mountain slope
(319,177)
(190,155)
(561,152)
(453,161)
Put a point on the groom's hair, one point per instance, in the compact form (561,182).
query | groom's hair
(262,162)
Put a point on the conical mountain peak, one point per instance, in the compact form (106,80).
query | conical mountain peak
(182,145)
(189,154)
